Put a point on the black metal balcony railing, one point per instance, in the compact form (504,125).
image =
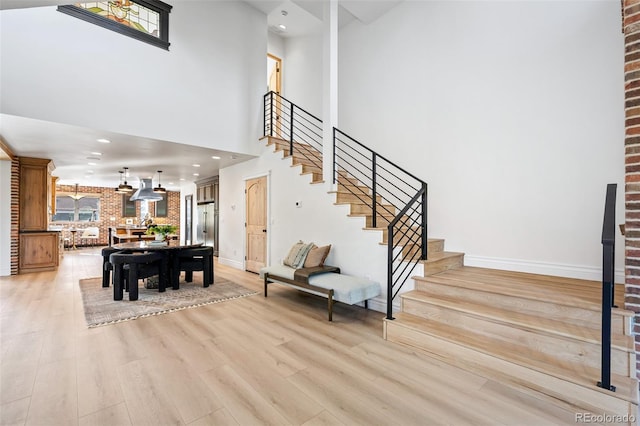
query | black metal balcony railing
(394,199)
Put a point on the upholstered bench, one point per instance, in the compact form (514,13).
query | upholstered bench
(326,281)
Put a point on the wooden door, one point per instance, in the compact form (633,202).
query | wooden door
(256,199)
(274,65)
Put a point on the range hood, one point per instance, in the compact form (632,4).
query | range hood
(145,192)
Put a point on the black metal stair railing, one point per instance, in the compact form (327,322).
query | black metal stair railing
(302,130)
(396,201)
(608,279)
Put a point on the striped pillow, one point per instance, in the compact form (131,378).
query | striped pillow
(297,254)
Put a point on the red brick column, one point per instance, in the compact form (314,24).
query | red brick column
(631,23)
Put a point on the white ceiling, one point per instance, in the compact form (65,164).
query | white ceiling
(69,146)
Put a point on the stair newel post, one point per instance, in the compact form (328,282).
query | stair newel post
(374,220)
(424,221)
(335,178)
(390,237)
(608,281)
(291,128)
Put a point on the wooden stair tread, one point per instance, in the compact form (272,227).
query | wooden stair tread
(434,257)
(523,321)
(627,388)
(523,285)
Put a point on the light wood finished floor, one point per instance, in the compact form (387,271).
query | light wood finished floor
(250,361)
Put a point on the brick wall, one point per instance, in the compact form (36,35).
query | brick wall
(111,207)
(631,25)
(15,215)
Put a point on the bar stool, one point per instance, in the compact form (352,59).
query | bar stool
(193,259)
(129,268)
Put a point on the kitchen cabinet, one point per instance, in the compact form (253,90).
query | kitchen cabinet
(39,248)
(39,251)
(35,182)
(207,190)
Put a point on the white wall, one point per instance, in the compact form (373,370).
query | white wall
(511,111)
(204,91)
(302,77)
(355,251)
(5,218)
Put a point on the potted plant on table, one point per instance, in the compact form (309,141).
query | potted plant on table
(161,231)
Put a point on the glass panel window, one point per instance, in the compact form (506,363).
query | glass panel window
(85,209)
(144,20)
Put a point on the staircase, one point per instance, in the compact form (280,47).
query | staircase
(358,197)
(536,333)
(539,334)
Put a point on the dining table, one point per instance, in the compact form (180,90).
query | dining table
(169,248)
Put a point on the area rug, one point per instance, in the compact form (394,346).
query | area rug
(101,309)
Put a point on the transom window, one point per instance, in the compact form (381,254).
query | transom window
(145,20)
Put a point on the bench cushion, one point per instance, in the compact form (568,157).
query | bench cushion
(346,288)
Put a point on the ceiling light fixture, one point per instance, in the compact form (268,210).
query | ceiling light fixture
(76,196)
(125,187)
(95,153)
(159,189)
(215,157)
(102,140)
(282,27)
(196,165)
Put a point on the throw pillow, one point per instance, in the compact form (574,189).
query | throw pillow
(317,256)
(293,254)
(302,255)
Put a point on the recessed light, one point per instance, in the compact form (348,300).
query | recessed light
(170,183)
(196,165)
(89,172)
(282,27)
(215,157)
(181,178)
(102,140)
(91,164)
(196,174)
(95,153)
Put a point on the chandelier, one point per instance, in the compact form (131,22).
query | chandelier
(75,195)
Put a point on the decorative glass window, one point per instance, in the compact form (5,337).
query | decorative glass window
(69,209)
(145,20)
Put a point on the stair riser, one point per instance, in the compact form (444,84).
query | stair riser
(569,314)
(348,197)
(558,391)
(556,347)
(361,208)
(307,160)
(441,265)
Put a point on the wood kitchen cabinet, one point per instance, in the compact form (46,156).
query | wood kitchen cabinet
(38,247)
(35,183)
(207,190)
(39,251)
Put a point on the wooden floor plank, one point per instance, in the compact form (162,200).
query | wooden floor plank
(55,371)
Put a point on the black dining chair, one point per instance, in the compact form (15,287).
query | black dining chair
(193,259)
(129,268)
(107,267)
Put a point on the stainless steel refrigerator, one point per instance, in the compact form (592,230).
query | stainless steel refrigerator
(207,228)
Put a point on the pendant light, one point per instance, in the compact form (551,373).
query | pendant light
(125,187)
(118,190)
(159,189)
(76,196)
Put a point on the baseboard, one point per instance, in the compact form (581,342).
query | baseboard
(237,264)
(380,305)
(542,268)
